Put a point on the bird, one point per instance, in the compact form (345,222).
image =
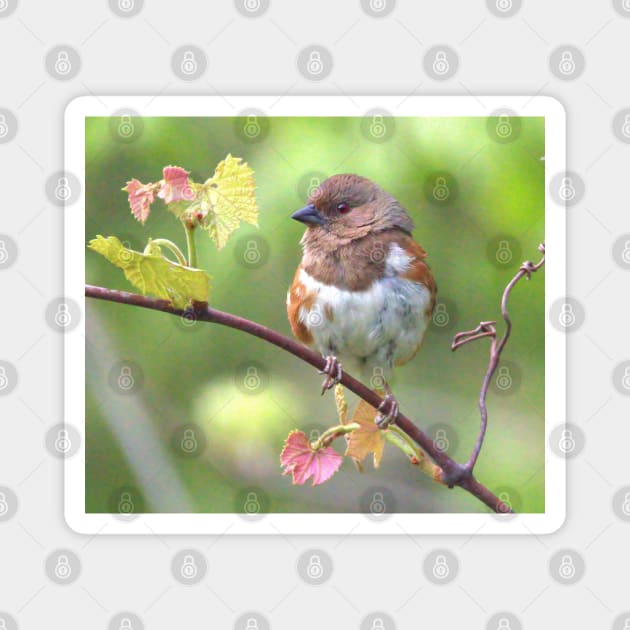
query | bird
(363,295)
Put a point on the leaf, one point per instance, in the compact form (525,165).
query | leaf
(229,198)
(300,460)
(175,186)
(342,412)
(140,196)
(368,438)
(154,274)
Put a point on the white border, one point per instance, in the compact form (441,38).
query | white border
(554,277)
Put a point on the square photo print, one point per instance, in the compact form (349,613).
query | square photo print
(309,320)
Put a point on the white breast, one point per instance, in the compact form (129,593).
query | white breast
(373,329)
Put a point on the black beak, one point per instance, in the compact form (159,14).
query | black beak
(309,215)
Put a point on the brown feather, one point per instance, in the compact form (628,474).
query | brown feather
(297,298)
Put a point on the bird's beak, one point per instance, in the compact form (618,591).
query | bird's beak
(309,215)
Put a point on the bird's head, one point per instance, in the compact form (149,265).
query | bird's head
(344,208)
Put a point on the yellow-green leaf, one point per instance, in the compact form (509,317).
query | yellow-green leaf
(152,273)
(368,438)
(229,198)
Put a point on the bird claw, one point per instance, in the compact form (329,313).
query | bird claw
(333,371)
(388,412)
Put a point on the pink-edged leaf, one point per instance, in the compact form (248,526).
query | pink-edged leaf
(302,462)
(175,186)
(141,196)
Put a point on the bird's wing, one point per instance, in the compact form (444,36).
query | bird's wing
(298,297)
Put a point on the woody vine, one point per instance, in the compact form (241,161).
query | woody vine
(170,282)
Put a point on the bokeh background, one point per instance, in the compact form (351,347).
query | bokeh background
(475,189)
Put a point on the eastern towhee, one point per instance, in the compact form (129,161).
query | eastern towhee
(362,294)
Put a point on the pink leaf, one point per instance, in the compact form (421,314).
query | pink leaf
(299,459)
(175,185)
(141,196)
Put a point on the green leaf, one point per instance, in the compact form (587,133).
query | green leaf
(229,197)
(154,274)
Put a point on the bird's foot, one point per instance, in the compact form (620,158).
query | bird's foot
(387,412)
(332,370)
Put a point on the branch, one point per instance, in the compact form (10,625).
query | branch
(487,329)
(453,473)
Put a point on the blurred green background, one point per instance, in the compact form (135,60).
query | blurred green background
(476,194)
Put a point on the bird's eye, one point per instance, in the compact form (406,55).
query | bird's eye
(343,208)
